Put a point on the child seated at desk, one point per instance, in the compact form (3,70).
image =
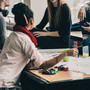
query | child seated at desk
(20,49)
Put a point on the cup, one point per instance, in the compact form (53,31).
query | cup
(65,59)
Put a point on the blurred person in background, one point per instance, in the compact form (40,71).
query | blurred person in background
(3,13)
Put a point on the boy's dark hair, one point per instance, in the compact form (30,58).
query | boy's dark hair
(22,14)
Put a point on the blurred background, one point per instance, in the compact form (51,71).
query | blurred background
(39,6)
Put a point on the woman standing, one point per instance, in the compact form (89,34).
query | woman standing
(59,17)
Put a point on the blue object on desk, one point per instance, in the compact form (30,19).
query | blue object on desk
(49,71)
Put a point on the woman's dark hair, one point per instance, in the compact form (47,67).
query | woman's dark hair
(22,14)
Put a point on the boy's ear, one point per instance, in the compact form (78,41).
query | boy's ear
(31,20)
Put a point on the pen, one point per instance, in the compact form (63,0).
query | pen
(77,55)
(76,46)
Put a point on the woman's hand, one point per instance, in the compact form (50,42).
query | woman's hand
(72,52)
(86,28)
(82,14)
(39,34)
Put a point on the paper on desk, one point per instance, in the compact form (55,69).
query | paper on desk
(83,63)
(48,56)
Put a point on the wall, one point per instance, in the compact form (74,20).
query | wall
(38,7)
(12,3)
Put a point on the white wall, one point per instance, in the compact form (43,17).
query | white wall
(38,7)
(12,4)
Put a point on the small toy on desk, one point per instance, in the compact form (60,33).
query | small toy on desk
(85,51)
(62,68)
(52,71)
(65,69)
(49,71)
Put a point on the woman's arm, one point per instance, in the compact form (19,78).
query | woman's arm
(35,58)
(44,21)
(52,62)
(52,34)
(65,24)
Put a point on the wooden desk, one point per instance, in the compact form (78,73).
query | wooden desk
(77,34)
(33,80)
(69,80)
(60,76)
